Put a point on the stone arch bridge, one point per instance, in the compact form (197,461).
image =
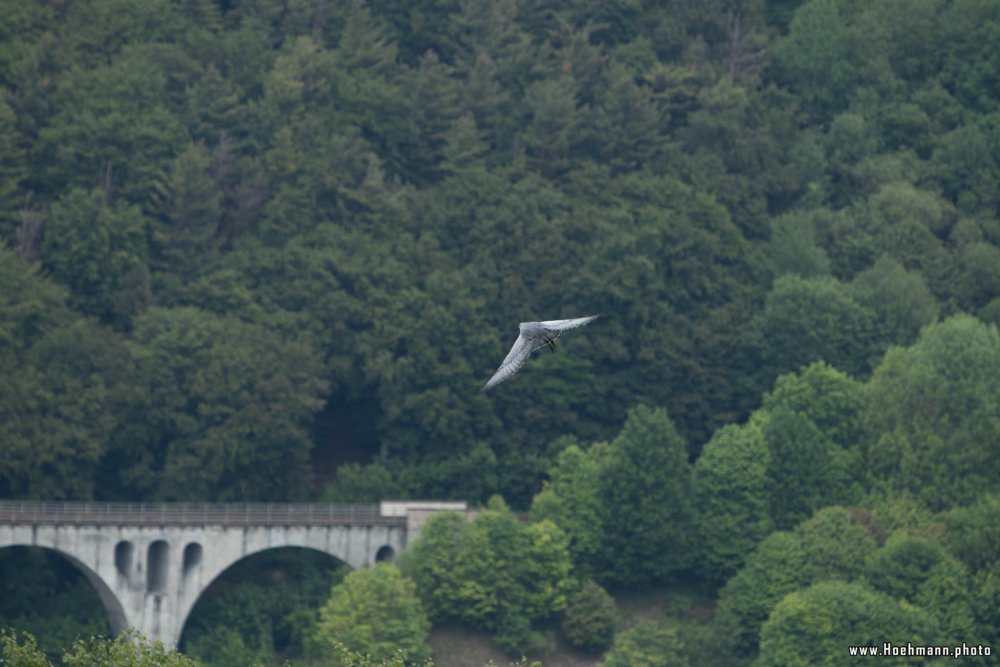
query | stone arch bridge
(150,562)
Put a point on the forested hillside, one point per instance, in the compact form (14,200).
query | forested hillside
(270,250)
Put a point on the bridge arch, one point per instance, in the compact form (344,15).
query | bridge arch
(354,544)
(277,565)
(113,608)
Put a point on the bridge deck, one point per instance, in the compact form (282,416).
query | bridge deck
(193,514)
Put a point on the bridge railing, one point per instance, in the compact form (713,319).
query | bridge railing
(239,514)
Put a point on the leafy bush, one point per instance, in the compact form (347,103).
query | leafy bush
(23,652)
(647,644)
(128,650)
(590,619)
(133,650)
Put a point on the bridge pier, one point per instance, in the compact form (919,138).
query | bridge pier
(150,563)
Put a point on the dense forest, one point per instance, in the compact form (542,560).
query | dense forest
(270,250)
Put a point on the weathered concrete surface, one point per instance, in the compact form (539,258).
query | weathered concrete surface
(417,512)
(150,576)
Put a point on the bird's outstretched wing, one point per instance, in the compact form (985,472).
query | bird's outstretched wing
(563,325)
(532,336)
(518,354)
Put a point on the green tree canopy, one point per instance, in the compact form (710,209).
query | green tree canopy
(100,253)
(571,499)
(226,411)
(900,299)
(931,414)
(62,412)
(920,571)
(626,506)
(829,398)
(645,493)
(815,626)
(792,248)
(826,61)
(31,305)
(731,498)
(805,320)
(103,116)
(973,532)
(375,612)
(806,470)
(831,545)
(494,573)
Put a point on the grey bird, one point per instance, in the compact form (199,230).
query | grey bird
(532,336)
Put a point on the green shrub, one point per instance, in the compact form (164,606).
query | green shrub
(647,644)
(590,619)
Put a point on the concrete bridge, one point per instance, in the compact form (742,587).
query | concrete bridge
(150,562)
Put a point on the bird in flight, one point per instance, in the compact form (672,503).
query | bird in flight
(532,336)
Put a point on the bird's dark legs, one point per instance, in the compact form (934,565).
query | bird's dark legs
(552,344)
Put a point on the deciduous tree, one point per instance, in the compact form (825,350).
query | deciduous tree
(374,611)
(645,493)
(731,499)
(931,414)
(494,573)
(816,625)
(228,407)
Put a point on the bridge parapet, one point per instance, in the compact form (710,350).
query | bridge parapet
(196,514)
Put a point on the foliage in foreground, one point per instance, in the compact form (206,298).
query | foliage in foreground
(134,650)
(129,650)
